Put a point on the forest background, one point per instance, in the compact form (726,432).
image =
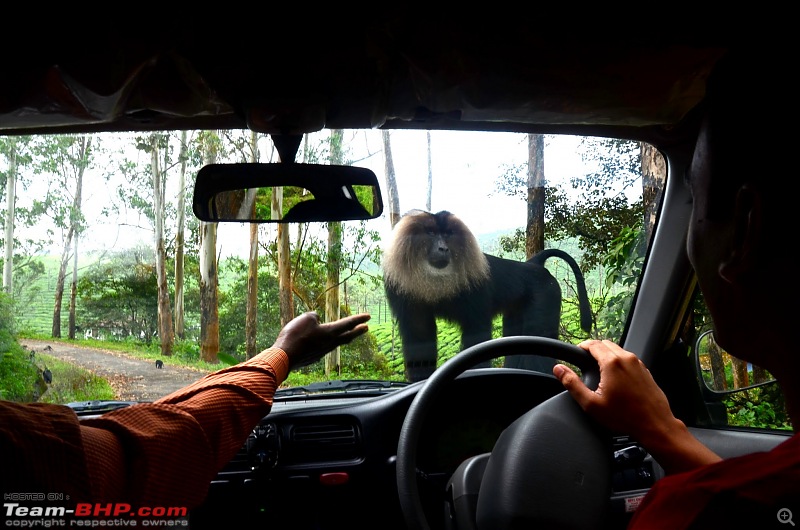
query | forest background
(174,289)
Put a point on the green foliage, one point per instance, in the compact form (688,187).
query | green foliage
(18,372)
(762,407)
(18,375)
(598,207)
(361,360)
(121,295)
(388,340)
(623,265)
(27,271)
(7,322)
(233,308)
(63,159)
(230,360)
(310,262)
(71,383)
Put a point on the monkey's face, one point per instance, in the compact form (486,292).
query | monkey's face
(433,257)
(438,249)
(433,234)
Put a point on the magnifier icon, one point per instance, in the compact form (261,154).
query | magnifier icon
(785,516)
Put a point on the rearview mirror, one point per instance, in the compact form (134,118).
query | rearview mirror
(285,193)
(724,373)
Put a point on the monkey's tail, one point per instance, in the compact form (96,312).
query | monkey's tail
(583,295)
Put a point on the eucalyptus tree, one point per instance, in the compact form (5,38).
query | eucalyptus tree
(145,163)
(209,274)
(284,256)
(534,227)
(10,150)
(20,261)
(180,315)
(334,262)
(158,145)
(392,197)
(63,160)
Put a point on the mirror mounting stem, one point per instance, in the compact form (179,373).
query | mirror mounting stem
(287,146)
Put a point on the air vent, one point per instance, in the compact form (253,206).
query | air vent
(336,439)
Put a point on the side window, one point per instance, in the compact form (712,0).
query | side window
(736,393)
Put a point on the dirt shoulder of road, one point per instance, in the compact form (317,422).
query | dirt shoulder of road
(131,378)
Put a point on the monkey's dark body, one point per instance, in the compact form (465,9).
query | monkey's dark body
(525,293)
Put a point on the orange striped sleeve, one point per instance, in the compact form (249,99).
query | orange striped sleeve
(171,449)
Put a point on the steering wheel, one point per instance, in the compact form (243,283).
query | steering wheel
(551,468)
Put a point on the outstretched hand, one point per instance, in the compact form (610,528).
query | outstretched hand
(305,340)
(627,400)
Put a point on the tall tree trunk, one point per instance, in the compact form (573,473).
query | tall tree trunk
(285,283)
(59,295)
(285,287)
(534,231)
(84,146)
(209,301)
(333,362)
(717,364)
(209,316)
(165,330)
(11,199)
(251,314)
(739,369)
(391,181)
(332,305)
(73,293)
(429,188)
(86,142)
(654,171)
(180,331)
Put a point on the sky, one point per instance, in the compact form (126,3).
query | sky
(464,167)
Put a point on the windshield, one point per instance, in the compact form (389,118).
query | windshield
(115,291)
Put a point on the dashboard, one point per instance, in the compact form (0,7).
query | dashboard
(328,461)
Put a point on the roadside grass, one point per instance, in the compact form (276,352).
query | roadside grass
(18,376)
(21,379)
(72,383)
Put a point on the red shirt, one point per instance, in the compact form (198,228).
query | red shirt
(742,492)
(161,453)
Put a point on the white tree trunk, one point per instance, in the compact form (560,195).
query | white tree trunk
(209,280)
(179,242)
(11,198)
(165,330)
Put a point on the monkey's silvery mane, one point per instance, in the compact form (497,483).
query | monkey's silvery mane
(406,267)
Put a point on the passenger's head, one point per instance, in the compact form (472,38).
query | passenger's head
(744,179)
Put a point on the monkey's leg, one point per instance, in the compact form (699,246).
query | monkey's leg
(539,317)
(418,333)
(475,330)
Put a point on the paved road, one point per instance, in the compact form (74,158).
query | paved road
(133,379)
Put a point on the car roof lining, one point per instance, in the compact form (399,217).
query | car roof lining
(400,71)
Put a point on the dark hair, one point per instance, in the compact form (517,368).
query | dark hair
(748,109)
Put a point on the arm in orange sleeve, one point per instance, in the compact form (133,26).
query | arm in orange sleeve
(177,444)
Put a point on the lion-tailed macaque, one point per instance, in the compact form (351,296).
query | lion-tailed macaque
(433,268)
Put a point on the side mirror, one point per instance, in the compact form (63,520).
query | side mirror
(285,193)
(721,372)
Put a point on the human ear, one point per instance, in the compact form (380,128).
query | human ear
(746,227)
